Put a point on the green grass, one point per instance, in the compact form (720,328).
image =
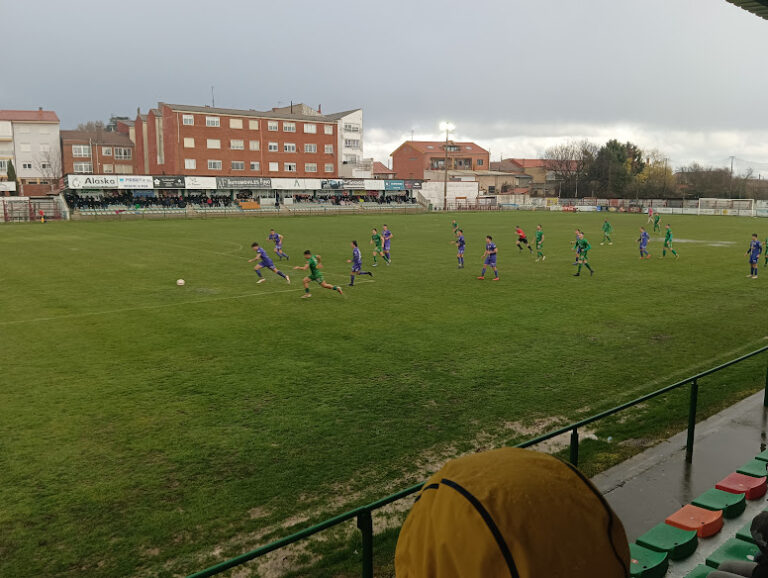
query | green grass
(150,429)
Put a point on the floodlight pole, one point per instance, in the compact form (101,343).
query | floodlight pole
(445,167)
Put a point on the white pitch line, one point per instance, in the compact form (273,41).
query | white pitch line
(150,307)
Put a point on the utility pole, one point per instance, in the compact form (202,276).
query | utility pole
(730,182)
(448,127)
(213,98)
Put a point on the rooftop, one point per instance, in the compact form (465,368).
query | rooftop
(425,146)
(38,115)
(381,168)
(101,137)
(279,114)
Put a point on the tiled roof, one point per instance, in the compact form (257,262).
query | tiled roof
(529,163)
(96,137)
(29,115)
(424,146)
(253,113)
(381,168)
(339,115)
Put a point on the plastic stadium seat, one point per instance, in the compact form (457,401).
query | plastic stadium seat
(733,549)
(762,456)
(701,571)
(744,533)
(646,563)
(732,505)
(677,542)
(705,522)
(754,468)
(736,483)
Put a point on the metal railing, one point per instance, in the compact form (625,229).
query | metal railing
(363,514)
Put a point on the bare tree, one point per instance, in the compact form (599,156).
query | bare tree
(92,126)
(49,166)
(570,163)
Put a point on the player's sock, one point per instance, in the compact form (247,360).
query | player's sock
(351,280)
(587,266)
(578,271)
(674,252)
(664,253)
(483,273)
(279,272)
(530,249)
(306,289)
(374,258)
(258,272)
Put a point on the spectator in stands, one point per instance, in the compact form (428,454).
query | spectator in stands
(511,512)
(756,569)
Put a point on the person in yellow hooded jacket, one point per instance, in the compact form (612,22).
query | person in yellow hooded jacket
(511,512)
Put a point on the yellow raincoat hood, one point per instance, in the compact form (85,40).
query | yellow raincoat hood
(513,513)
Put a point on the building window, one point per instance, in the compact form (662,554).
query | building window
(3,166)
(213,143)
(238,165)
(187,119)
(235,123)
(328,167)
(214,165)
(310,148)
(80,151)
(189,142)
(272,125)
(289,147)
(27,148)
(255,166)
(328,149)
(124,169)
(289,167)
(310,167)
(123,154)
(106,151)
(83,168)
(190,164)
(272,147)
(352,143)
(108,170)
(253,124)
(45,166)
(237,145)
(350,159)
(289,127)
(352,128)
(45,148)
(253,145)
(479,162)
(273,167)
(26,165)
(212,121)
(328,129)
(310,128)
(452,148)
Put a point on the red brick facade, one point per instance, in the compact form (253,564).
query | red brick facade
(105,152)
(412,158)
(244,139)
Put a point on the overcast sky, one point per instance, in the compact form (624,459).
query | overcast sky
(685,76)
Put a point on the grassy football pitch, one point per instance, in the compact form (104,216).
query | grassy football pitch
(150,429)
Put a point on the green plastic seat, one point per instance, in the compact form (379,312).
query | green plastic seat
(763,456)
(755,468)
(701,571)
(732,505)
(745,534)
(647,563)
(733,549)
(665,538)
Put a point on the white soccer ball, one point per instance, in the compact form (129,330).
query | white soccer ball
(179,282)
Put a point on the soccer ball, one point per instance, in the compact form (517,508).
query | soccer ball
(180,282)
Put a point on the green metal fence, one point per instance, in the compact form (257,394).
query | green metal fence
(363,514)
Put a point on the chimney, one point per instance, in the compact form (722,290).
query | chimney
(40,108)
(320,108)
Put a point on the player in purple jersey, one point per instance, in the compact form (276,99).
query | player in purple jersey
(643,243)
(460,246)
(277,238)
(357,264)
(490,258)
(755,248)
(387,235)
(264,262)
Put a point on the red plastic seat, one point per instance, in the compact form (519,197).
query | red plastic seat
(736,483)
(705,522)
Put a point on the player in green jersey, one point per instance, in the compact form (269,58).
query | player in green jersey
(583,248)
(607,230)
(376,240)
(668,243)
(314,265)
(766,253)
(455,226)
(656,219)
(539,244)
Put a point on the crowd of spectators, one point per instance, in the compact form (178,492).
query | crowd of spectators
(123,199)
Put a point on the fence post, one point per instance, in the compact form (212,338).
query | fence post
(765,395)
(575,447)
(365,523)
(692,420)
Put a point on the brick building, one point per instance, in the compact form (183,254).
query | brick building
(97,152)
(412,158)
(175,139)
(30,139)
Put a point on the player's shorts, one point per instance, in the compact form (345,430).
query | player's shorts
(357,267)
(386,245)
(378,248)
(667,245)
(490,260)
(539,246)
(754,260)
(266,264)
(461,250)
(522,240)
(317,278)
(278,247)
(584,256)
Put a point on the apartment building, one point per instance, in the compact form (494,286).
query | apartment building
(293,142)
(97,152)
(412,158)
(30,139)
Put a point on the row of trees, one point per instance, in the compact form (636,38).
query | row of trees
(623,170)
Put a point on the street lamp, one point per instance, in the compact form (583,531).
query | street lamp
(448,127)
